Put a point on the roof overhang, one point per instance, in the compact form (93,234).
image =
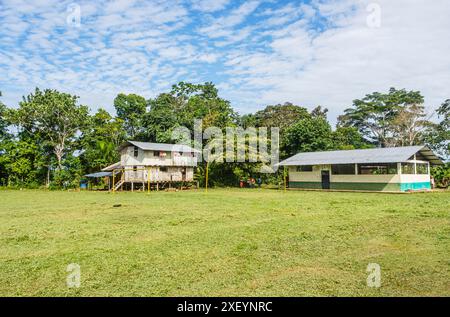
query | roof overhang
(165,147)
(430,156)
(98,175)
(112,167)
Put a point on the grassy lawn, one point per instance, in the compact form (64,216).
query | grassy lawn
(224,243)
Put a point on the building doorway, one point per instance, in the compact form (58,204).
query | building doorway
(325,179)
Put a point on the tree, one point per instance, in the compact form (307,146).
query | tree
(348,138)
(409,125)
(309,135)
(100,140)
(181,106)
(280,116)
(247,120)
(441,175)
(437,135)
(3,120)
(3,134)
(54,116)
(23,161)
(374,115)
(131,110)
(202,102)
(319,112)
(161,118)
(444,128)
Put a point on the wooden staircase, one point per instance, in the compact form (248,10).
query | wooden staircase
(120,183)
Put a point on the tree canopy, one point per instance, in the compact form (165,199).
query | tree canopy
(53,116)
(51,139)
(387,119)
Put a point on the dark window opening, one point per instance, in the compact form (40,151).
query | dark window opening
(136,151)
(163,169)
(377,169)
(343,169)
(305,168)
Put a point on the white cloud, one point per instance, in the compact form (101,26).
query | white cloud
(332,68)
(258,52)
(209,5)
(224,26)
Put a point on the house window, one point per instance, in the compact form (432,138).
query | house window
(163,169)
(136,151)
(159,154)
(377,169)
(305,168)
(343,169)
(422,168)
(408,168)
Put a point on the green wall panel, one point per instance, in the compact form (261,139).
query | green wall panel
(348,186)
(391,187)
(305,185)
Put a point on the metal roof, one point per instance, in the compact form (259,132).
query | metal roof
(112,167)
(98,175)
(147,146)
(378,155)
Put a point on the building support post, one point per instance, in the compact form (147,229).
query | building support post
(285,178)
(114,181)
(415,165)
(148,179)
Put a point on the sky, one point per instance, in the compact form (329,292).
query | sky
(257,52)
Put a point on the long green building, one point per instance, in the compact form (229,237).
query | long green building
(396,169)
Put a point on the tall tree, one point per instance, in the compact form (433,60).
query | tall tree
(348,138)
(131,109)
(100,140)
(55,116)
(202,102)
(3,120)
(23,161)
(280,116)
(374,115)
(319,111)
(161,118)
(3,137)
(309,135)
(437,136)
(409,125)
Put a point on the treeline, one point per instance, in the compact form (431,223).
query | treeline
(51,140)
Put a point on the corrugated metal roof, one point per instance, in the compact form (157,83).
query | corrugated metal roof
(112,167)
(99,174)
(147,146)
(378,155)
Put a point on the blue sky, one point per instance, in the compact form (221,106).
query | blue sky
(258,52)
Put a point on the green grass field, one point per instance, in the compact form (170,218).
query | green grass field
(225,243)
